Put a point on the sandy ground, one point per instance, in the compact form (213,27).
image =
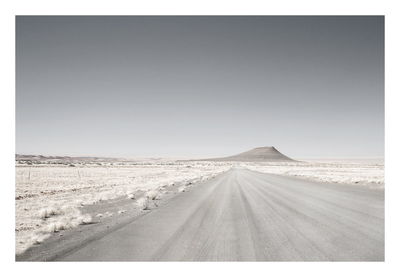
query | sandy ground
(50,197)
(241,215)
(350,172)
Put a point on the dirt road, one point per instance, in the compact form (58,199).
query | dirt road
(248,216)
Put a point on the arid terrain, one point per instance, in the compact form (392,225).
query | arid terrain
(223,209)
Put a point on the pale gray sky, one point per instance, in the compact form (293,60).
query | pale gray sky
(200,86)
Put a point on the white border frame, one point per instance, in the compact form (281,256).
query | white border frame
(206,7)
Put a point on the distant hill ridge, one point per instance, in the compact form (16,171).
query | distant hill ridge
(259,154)
(19,157)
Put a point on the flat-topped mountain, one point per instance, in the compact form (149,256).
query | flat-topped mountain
(259,154)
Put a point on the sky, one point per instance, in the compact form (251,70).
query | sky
(200,86)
